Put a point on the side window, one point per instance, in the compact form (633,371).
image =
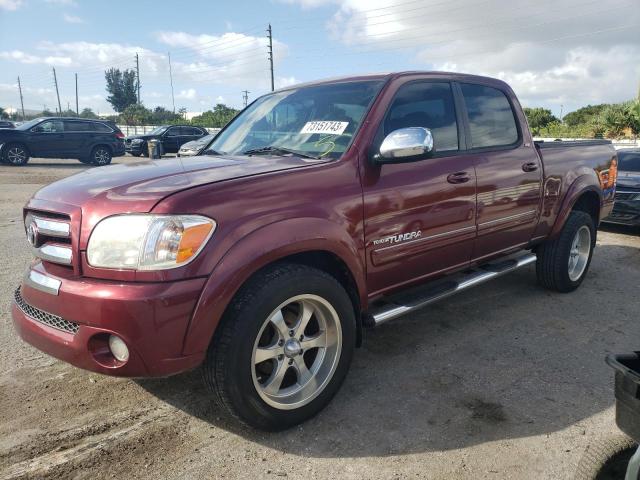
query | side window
(191,131)
(77,126)
(101,127)
(491,119)
(51,126)
(174,132)
(429,105)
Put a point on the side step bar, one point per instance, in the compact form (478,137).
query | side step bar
(394,306)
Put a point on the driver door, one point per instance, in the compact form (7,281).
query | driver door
(420,216)
(47,139)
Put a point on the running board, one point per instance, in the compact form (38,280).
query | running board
(394,306)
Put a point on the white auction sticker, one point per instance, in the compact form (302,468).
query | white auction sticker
(325,126)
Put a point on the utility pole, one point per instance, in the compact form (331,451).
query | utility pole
(21,100)
(245,96)
(55,80)
(173,100)
(561,109)
(77,109)
(270,37)
(138,76)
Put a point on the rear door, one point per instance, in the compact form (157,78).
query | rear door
(78,137)
(508,169)
(420,216)
(47,139)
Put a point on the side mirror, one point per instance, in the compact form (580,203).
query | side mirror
(406,145)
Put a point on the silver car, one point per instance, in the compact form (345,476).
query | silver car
(195,147)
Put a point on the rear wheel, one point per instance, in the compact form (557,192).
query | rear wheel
(16,154)
(283,347)
(606,459)
(101,156)
(564,261)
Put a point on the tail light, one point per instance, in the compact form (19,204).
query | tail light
(119,135)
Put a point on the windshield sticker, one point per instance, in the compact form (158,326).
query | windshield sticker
(325,126)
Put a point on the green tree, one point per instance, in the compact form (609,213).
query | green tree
(619,119)
(216,118)
(1,112)
(121,86)
(88,113)
(136,115)
(583,115)
(539,118)
(161,115)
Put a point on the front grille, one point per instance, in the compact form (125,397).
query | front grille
(627,195)
(49,319)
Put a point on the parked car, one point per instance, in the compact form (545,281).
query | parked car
(94,142)
(195,147)
(171,137)
(317,211)
(626,210)
(7,124)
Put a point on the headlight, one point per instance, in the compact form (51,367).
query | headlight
(148,242)
(137,140)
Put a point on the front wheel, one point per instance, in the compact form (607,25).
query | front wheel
(16,154)
(101,156)
(564,261)
(283,348)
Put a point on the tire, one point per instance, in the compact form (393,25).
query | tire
(101,156)
(607,459)
(86,161)
(16,154)
(135,154)
(553,267)
(246,388)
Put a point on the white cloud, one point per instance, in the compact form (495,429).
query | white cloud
(22,57)
(11,5)
(66,3)
(72,18)
(553,54)
(189,94)
(282,82)
(226,58)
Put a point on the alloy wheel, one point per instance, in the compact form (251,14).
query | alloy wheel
(16,155)
(579,253)
(101,156)
(296,352)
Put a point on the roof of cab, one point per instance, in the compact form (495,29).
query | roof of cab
(393,75)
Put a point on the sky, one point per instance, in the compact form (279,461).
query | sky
(557,54)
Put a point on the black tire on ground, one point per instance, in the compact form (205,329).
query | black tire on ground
(86,161)
(606,459)
(15,154)
(552,265)
(100,156)
(228,368)
(135,154)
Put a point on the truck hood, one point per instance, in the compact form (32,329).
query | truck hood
(138,186)
(628,179)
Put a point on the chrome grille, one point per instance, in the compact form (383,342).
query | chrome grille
(49,319)
(622,195)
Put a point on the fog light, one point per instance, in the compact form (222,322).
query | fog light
(118,348)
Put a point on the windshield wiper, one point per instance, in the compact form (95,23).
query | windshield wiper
(279,150)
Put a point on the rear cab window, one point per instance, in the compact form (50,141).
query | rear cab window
(492,122)
(629,161)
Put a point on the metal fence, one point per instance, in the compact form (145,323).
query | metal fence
(143,129)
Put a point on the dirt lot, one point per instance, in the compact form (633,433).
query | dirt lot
(504,381)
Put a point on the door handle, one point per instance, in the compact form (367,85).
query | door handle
(458,177)
(530,167)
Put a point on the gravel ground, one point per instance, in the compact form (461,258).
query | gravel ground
(505,381)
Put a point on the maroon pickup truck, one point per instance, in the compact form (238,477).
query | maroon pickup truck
(319,210)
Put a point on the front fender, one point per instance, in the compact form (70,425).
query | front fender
(258,249)
(582,184)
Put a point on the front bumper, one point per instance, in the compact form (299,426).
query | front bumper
(625,212)
(151,318)
(134,148)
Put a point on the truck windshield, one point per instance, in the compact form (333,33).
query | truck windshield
(317,121)
(629,162)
